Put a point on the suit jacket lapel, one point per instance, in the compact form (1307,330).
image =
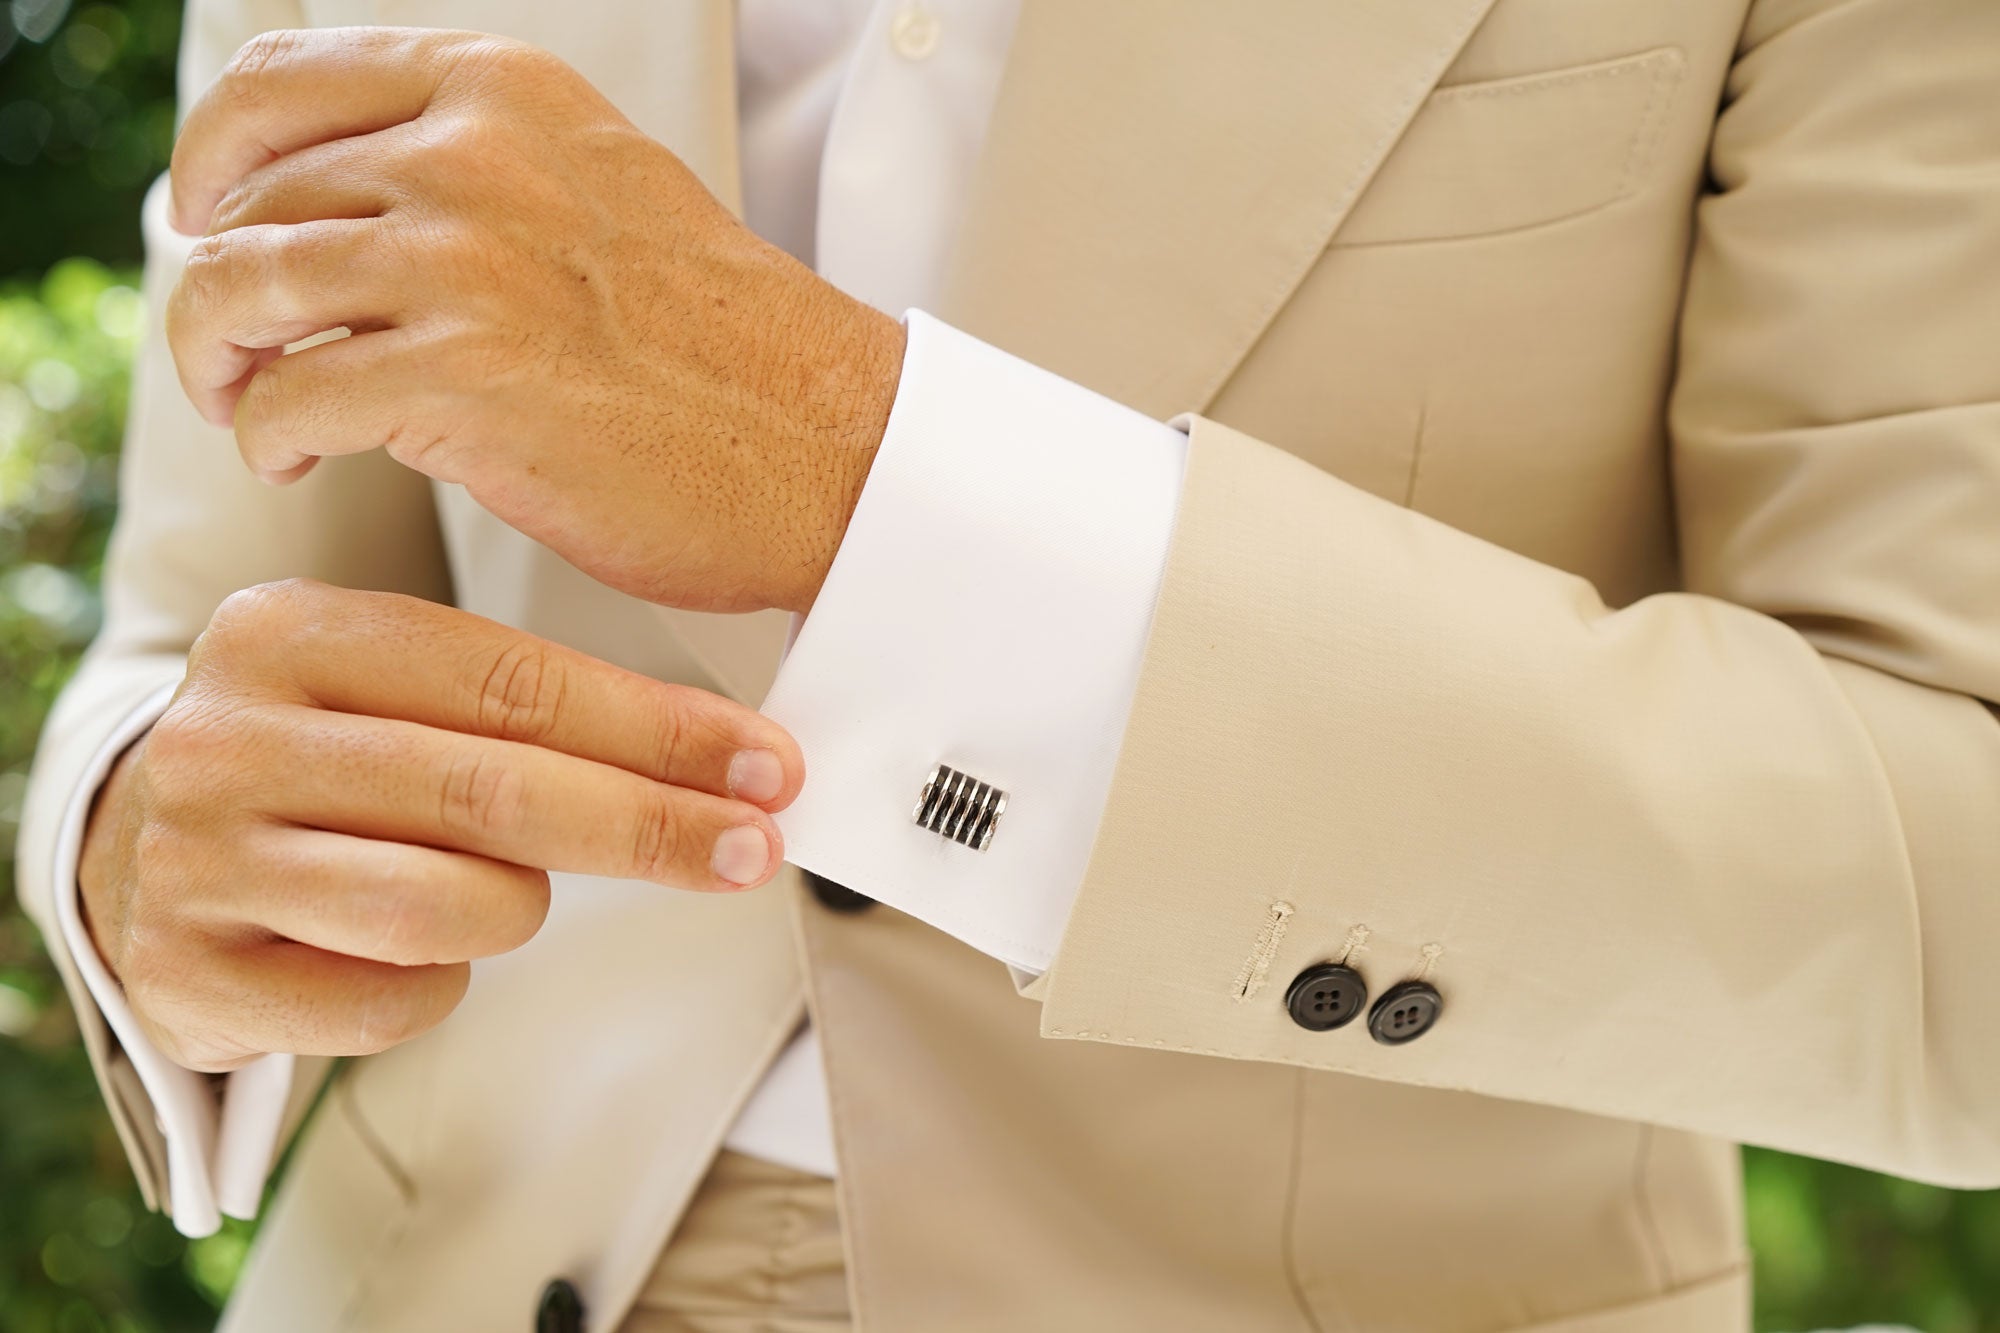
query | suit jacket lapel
(1158,178)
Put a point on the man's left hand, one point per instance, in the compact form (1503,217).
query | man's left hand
(545,306)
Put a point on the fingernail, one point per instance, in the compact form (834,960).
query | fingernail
(756,775)
(742,855)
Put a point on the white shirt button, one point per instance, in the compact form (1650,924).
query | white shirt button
(914,32)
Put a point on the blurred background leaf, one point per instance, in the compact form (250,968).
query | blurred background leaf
(78,1252)
(86,121)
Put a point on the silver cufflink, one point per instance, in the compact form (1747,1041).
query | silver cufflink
(960,807)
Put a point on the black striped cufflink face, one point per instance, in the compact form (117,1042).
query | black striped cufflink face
(960,807)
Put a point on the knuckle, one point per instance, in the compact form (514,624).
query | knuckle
(267,613)
(253,636)
(189,755)
(210,1058)
(179,986)
(669,741)
(193,1029)
(180,734)
(212,267)
(257,59)
(238,204)
(181,751)
(657,840)
(267,410)
(521,695)
(171,1043)
(487,53)
(250,198)
(417,444)
(455,141)
(407,931)
(190,1050)
(478,793)
(244,610)
(155,981)
(535,68)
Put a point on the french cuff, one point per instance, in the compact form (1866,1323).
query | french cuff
(217,1156)
(987,611)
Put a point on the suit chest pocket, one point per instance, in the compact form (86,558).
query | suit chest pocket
(1507,154)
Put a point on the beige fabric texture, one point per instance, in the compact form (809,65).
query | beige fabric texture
(1587,582)
(757,1251)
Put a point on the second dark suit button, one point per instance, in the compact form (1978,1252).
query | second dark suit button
(560,1310)
(837,897)
(1405,1012)
(1325,996)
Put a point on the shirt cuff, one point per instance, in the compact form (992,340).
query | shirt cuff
(217,1156)
(988,609)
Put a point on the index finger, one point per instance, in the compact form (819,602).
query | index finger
(293,88)
(386,655)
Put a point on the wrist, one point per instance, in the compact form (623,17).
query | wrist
(871,366)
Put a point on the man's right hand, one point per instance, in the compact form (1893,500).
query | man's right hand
(353,794)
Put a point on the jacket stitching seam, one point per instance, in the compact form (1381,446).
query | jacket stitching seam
(845,1198)
(1639,153)
(1289,1228)
(1652,63)
(1250,978)
(1650,1235)
(361,1286)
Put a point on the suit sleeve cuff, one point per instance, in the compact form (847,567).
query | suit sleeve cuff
(217,1156)
(988,609)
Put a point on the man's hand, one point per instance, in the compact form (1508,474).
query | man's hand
(546,306)
(353,794)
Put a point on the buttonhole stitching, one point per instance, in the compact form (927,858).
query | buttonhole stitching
(1251,976)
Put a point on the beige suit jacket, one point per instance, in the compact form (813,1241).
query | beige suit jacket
(1589,565)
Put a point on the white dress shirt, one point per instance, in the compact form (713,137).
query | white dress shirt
(988,606)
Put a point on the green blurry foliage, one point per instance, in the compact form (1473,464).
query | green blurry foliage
(1838,1246)
(85,121)
(78,1251)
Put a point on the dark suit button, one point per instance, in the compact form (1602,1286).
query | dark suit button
(1405,1012)
(561,1310)
(1325,995)
(837,897)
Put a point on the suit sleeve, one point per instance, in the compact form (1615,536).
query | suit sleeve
(193,527)
(1725,859)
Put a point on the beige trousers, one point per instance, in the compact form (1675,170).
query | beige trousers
(758,1251)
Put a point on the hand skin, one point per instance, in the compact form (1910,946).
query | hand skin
(546,306)
(354,794)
